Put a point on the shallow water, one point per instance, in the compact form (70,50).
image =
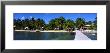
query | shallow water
(43,35)
(92,36)
(18,35)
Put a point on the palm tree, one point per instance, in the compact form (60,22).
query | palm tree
(80,22)
(52,23)
(69,24)
(32,25)
(61,22)
(18,23)
(57,22)
(89,23)
(40,23)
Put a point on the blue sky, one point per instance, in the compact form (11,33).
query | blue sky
(48,16)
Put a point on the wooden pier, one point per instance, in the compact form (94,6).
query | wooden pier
(80,36)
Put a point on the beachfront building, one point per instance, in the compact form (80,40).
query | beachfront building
(42,28)
(56,28)
(86,27)
(26,28)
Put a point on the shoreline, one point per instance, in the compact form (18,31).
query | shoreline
(57,31)
(44,31)
(87,31)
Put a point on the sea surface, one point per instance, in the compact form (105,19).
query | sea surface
(18,35)
(21,35)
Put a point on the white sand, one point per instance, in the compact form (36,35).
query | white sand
(88,31)
(22,30)
(55,31)
(46,30)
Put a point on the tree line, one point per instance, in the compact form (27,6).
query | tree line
(59,23)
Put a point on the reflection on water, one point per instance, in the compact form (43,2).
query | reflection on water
(44,36)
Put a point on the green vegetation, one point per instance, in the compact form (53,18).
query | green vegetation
(59,23)
(80,22)
(93,25)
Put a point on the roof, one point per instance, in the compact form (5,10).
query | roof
(87,25)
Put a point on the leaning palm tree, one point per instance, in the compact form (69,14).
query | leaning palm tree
(80,22)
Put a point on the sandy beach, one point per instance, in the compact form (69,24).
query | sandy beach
(22,30)
(55,31)
(45,30)
(87,31)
